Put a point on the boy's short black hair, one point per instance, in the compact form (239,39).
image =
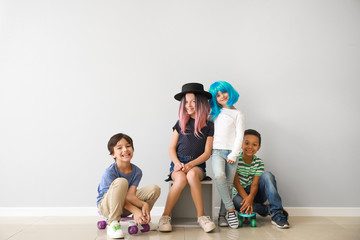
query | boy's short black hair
(253,132)
(116,138)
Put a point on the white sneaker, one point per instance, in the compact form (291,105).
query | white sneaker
(164,224)
(206,223)
(114,230)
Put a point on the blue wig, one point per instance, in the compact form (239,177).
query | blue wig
(221,86)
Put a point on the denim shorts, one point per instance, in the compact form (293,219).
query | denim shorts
(185,159)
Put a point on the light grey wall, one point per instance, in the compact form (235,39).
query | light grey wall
(73,73)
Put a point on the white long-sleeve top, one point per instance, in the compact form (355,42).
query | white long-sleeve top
(229,131)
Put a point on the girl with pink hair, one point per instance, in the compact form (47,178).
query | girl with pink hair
(190,147)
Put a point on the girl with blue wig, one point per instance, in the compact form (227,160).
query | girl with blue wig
(229,131)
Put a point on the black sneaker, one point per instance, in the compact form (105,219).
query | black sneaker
(286,214)
(280,219)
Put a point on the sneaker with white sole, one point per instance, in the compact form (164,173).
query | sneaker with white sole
(165,224)
(232,219)
(206,223)
(114,230)
(222,221)
(280,219)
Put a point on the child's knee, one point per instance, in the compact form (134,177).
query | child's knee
(155,190)
(193,176)
(268,176)
(120,182)
(180,182)
(220,177)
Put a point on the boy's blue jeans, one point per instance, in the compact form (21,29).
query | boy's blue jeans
(267,190)
(224,173)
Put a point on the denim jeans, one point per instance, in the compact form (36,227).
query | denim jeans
(224,173)
(267,190)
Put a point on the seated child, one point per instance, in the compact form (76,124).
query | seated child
(190,147)
(254,186)
(118,194)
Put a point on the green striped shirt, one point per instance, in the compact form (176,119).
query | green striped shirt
(246,172)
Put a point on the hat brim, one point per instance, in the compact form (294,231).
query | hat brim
(180,95)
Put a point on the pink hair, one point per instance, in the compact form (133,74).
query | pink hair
(202,110)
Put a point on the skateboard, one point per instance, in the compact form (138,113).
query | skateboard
(133,228)
(243,217)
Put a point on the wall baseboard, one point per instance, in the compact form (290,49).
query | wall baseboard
(157,211)
(324,211)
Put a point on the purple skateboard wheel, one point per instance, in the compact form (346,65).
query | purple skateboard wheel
(101,224)
(132,230)
(146,228)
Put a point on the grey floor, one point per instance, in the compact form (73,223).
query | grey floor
(83,228)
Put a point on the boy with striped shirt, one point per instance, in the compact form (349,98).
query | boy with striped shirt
(253,186)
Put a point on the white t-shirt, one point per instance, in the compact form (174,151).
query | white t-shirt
(229,131)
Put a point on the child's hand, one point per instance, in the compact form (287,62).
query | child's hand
(146,212)
(179,167)
(247,206)
(139,218)
(187,167)
(230,161)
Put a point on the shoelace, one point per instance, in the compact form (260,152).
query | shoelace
(280,217)
(165,219)
(204,219)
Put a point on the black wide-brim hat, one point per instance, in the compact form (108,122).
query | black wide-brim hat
(196,88)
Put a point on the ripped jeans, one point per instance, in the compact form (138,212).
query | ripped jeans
(224,173)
